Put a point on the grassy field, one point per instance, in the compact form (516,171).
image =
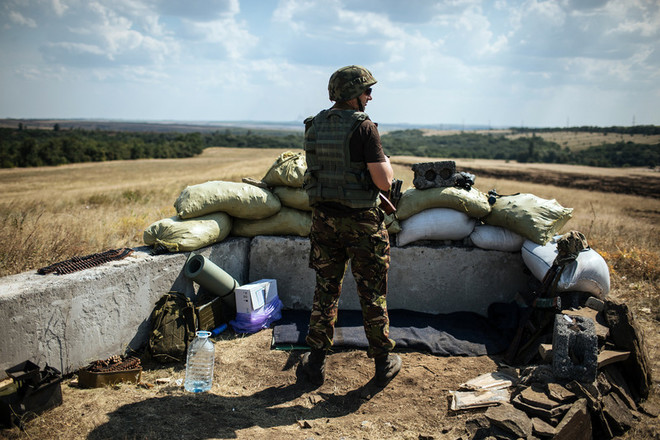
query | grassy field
(54,213)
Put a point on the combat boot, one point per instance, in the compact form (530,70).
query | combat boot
(313,366)
(387,366)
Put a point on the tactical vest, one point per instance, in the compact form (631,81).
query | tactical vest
(330,175)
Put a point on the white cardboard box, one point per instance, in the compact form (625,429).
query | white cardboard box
(252,297)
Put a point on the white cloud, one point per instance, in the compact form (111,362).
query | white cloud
(18,18)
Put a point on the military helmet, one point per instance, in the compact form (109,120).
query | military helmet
(349,82)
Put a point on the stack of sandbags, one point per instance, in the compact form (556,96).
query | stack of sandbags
(285,179)
(208,212)
(501,223)
(441,213)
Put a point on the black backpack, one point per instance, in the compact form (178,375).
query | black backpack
(173,325)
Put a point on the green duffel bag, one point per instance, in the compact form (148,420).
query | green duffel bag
(240,200)
(532,217)
(177,235)
(474,203)
(286,222)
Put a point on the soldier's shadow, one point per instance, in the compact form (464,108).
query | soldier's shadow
(200,416)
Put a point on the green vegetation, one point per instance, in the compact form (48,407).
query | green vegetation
(635,129)
(33,148)
(522,149)
(29,148)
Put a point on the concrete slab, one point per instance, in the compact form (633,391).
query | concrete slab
(66,321)
(424,279)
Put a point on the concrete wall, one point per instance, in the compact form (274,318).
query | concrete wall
(70,320)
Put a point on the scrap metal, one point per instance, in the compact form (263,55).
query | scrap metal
(80,263)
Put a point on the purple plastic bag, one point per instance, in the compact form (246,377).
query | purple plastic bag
(259,319)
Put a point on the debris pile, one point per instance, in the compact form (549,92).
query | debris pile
(591,380)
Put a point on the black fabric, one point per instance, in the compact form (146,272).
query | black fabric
(452,334)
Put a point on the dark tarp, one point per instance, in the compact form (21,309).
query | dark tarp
(451,334)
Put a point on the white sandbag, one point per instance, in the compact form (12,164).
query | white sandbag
(295,198)
(177,235)
(413,201)
(496,238)
(240,200)
(288,170)
(588,273)
(532,217)
(435,224)
(287,221)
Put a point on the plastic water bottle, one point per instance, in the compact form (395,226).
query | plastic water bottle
(199,363)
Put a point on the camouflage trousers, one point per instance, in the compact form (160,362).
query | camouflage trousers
(362,239)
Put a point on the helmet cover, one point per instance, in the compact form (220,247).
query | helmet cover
(349,82)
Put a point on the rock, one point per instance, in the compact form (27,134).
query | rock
(607,357)
(576,424)
(545,351)
(535,395)
(650,409)
(543,429)
(537,374)
(618,414)
(510,419)
(478,427)
(595,303)
(626,335)
(602,331)
(560,393)
(551,416)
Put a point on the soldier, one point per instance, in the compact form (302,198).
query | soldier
(346,168)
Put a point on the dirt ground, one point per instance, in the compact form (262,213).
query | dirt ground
(257,394)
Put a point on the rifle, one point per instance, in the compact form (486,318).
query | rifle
(541,300)
(390,199)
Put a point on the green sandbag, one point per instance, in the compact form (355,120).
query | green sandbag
(286,222)
(532,217)
(177,235)
(473,202)
(240,200)
(296,198)
(288,170)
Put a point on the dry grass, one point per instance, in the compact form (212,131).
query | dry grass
(51,214)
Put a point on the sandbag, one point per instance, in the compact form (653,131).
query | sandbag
(588,273)
(473,202)
(177,235)
(295,198)
(532,217)
(496,238)
(287,221)
(435,224)
(239,200)
(288,170)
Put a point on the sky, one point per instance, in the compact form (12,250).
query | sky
(500,63)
